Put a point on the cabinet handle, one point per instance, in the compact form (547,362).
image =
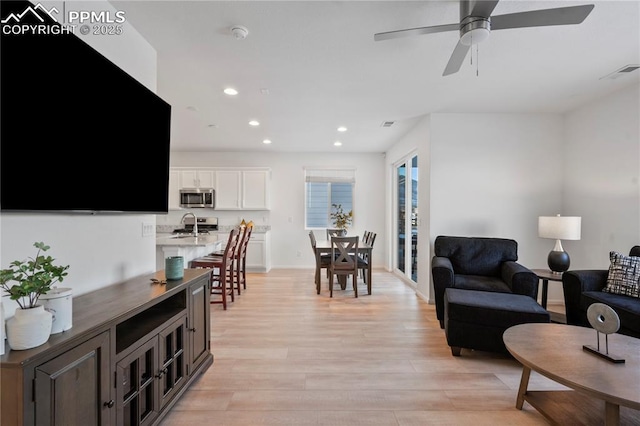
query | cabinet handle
(109,404)
(161,373)
(193,329)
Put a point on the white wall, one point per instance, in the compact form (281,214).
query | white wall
(602,170)
(492,175)
(484,175)
(286,217)
(100,250)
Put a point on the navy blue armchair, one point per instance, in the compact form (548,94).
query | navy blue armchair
(584,287)
(476,263)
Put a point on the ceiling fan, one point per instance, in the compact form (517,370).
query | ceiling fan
(476,24)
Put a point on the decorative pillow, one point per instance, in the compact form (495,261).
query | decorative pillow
(624,275)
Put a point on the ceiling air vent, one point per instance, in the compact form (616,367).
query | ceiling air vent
(621,72)
(387,123)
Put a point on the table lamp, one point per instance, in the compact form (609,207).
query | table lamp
(559,228)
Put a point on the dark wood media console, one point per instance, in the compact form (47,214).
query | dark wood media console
(134,348)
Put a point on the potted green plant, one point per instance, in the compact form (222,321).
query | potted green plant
(31,324)
(341,219)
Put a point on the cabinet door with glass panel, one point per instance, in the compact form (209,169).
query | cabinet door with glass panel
(137,386)
(150,376)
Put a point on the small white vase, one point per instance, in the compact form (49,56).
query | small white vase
(29,328)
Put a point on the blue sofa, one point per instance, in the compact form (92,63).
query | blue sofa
(584,287)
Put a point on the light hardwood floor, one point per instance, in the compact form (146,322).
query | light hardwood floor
(284,355)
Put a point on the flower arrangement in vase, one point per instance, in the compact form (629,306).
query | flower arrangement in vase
(31,325)
(341,219)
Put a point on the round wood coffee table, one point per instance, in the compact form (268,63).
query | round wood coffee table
(600,387)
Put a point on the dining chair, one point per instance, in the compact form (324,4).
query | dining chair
(344,260)
(365,237)
(372,238)
(322,261)
(335,232)
(364,260)
(222,271)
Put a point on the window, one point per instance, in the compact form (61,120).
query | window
(324,187)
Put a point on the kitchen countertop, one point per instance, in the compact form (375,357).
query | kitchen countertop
(203,240)
(168,229)
(256,228)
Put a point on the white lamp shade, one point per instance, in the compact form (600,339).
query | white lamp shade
(559,227)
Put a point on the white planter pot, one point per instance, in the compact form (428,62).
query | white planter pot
(1,327)
(58,301)
(29,328)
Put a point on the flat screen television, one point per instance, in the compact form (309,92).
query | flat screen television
(77,133)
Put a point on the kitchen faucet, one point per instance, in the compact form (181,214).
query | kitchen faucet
(195,222)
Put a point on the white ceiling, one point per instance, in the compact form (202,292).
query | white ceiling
(323,69)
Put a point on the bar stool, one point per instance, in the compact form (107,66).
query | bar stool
(239,281)
(222,280)
(241,259)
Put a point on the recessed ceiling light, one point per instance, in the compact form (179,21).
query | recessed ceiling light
(266,141)
(192,108)
(230,91)
(254,123)
(337,143)
(342,129)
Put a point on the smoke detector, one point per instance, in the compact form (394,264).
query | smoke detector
(239,32)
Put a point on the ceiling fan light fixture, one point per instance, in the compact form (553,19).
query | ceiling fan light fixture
(475,32)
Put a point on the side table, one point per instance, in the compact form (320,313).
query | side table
(546,275)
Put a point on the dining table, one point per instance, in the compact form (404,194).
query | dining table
(324,247)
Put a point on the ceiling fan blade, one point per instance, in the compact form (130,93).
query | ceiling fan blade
(415,31)
(483,8)
(455,62)
(542,18)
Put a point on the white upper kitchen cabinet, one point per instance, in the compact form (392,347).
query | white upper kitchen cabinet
(255,189)
(243,189)
(197,178)
(236,188)
(174,190)
(228,186)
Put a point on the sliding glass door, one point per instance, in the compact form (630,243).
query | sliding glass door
(406,213)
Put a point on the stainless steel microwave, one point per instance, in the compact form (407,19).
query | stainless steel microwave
(198,198)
